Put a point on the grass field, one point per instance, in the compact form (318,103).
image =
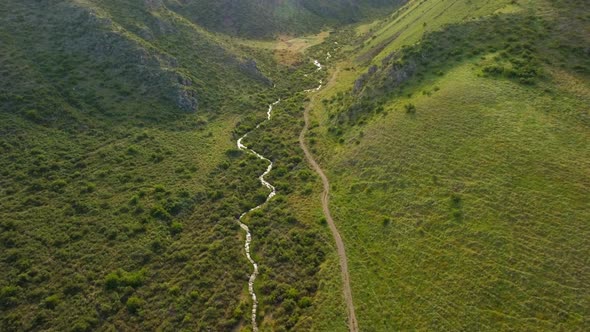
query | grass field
(465,216)
(463,200)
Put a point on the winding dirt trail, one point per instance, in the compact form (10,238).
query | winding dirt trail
(352,322)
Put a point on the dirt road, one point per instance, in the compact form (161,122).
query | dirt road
(352,322)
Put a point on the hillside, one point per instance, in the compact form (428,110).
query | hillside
(457,150)
(115,120)
(436,179)
(268,18)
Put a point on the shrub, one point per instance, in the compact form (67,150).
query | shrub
(122,278)
(175,228)
(112,280)
(159,212)
(33,115)
(132,150)
(174,290)
(58,185)
(305,302)
(133,304)
(8,296)
(134,200)
(410,108)
(89,187)
(455,200)
(386,222)
(51,302)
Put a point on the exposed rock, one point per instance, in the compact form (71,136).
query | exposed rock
(146,33)
(372,70)
(184,80)
(359,83)
(400,73)
(187,100)
(250,67)
(165,27)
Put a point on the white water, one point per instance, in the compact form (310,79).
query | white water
(315,89)
(317,64)
(273,192)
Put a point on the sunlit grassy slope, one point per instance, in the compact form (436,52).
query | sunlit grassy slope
(463,195)
(471,213)
(407,25)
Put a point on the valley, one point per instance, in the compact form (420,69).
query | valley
(295,165)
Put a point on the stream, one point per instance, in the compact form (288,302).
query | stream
(273,192)
(245,227)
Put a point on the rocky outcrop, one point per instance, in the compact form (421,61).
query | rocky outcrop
(151,72)
(186,100)
(361,81)
(250,67)
(399,73)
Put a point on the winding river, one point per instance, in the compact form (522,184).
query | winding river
(245,227)
(273,192)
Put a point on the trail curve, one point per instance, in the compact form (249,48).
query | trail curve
(352,322)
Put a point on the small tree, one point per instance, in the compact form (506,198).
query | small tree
(410,108)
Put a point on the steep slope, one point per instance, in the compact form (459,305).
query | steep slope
(459,165)
(454,135)
(121,184)
(112,136)
(268,18)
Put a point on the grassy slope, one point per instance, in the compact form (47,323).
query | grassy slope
(102,171)
(268,18)
(118,207)
(470,213)
(406,26)
(487,197)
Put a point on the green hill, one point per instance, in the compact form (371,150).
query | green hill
(268,18)
(114,119)
(456,140)
(454,135)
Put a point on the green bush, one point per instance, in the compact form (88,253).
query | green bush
(410,108)
(51,302)
(8,296)
(33,115)
(176,228)
(305,302)
(160,213)
(122,278)
(133,304)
